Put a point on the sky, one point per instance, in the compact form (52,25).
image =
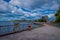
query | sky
(27,9)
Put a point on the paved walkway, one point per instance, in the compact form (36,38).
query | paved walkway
(46,32)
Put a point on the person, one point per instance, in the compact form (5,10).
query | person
(29,27)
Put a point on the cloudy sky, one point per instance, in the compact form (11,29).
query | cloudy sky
(27,9)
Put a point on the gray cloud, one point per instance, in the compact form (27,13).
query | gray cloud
(36,8)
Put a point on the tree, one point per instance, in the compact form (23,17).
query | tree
(40,20)
(43,19)
(57,15)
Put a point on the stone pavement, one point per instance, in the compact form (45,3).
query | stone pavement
(46,32)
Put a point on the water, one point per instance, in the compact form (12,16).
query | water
(7,27)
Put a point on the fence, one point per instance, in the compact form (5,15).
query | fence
(10,27)
(14,27)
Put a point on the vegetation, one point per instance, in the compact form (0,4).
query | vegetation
(57,21)
(57,15)
(42,19)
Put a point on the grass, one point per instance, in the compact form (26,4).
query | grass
(55,24)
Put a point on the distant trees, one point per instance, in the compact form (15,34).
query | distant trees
(43,19)
(57,15)
(40,20)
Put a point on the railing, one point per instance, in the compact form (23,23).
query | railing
(6,29)
(11,28)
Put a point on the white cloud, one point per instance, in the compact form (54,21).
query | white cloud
(34,14)
(34,5)
(52,5)
(30,4)
(15,2)
(3,6)
(51,15)
(55,5)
